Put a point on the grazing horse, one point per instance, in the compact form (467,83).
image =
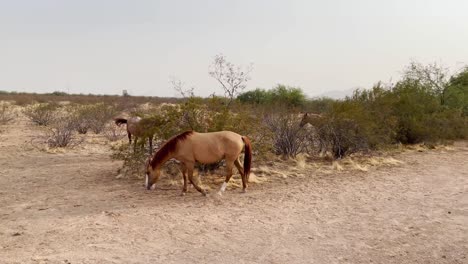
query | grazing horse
(190,147)
(134,128)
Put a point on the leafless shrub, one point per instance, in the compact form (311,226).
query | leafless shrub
(113,133)
(343,136)
(7,113)
(289,139)
(61,133)
(41,114)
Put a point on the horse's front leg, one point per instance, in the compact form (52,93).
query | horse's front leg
(190,168)
(135,144)
(150,139)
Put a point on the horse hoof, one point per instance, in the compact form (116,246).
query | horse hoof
(220,193)
(244,190)
(182,194)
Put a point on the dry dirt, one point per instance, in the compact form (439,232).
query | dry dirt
(68,207)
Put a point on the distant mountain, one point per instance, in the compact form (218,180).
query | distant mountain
(336,94)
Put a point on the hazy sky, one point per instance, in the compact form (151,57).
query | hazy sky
(105,46)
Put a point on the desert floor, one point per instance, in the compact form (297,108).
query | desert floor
(70,207)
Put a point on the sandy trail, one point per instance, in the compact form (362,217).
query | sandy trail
(70,208)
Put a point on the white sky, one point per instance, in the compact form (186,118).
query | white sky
(105,46)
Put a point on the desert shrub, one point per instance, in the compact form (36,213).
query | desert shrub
(280,95)
(102,114)
(289,139)
(448,124)
(60,133)
(92,117)
(409,112)
(113,133)
(456,95)
(133,159)
(341,136)
(7,113)
(415,106)
(41,114)
(82,116)
(318,105)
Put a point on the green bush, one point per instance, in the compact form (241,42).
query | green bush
(456,96)
(280,95)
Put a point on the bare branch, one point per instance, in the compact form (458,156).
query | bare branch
(178,86)
(232,78)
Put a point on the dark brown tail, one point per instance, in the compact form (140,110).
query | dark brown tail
(247,157)
(120,121)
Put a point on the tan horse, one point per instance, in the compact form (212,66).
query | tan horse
(134,128)
(190,147)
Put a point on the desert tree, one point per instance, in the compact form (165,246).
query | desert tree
(179,87)
(233,79)
(433,76)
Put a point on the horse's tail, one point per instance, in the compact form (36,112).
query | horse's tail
(120,121)
(247,157)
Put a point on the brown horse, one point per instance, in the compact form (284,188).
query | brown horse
(190,147)
(309,118)
(134,128)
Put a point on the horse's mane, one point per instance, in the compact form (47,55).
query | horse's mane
(168,147)
(119,121)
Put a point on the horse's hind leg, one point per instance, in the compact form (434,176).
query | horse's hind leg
(135,141)
(184,174)
(190,176)
(228,176)
(241,171)
(129,137)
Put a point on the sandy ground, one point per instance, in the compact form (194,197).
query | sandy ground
(70,208)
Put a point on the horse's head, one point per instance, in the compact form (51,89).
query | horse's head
(304,120)
(309,118)
(152,175)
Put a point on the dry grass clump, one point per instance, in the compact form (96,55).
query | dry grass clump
(301,161)
(7,113)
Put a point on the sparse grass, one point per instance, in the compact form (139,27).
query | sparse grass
(7,113)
